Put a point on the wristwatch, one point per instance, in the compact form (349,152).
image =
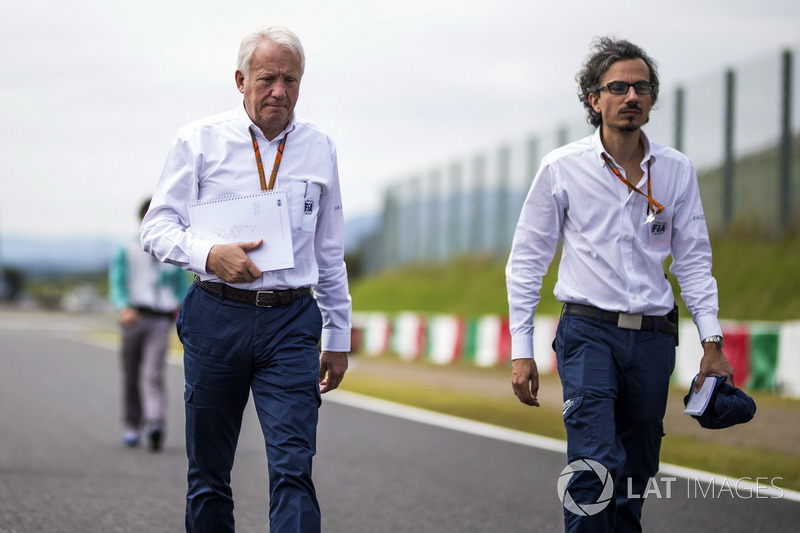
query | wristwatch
(716,339)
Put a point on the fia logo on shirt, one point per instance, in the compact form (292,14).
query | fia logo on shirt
(659,227)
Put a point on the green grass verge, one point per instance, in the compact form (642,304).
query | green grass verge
(757,280)
(497,411)
(736,462)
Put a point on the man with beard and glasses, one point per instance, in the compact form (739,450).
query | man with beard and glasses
(621,204)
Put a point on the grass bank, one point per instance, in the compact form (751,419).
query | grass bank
(757,280)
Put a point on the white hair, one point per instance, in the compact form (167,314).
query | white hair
(276,34)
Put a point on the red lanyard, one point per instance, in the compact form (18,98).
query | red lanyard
(275,166)
(651,203)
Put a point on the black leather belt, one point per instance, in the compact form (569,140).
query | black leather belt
(622,320)
(257,298)
(149,311)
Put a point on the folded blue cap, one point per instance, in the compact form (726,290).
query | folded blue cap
(727,407)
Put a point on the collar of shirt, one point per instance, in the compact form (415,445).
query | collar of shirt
(244,120)
(599,149)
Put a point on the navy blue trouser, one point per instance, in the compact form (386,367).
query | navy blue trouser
(615,385)
(229,350)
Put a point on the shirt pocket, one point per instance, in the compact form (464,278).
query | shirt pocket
(305,206)
(657,234)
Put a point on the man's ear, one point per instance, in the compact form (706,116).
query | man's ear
(594,101)
(240,81)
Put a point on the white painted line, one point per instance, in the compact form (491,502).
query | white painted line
(432,418)
(423,416)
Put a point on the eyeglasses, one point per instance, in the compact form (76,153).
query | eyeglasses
(621,87)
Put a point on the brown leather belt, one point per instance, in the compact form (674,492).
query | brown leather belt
(257,298)
(623,320)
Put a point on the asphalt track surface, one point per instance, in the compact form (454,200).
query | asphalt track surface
(378,469)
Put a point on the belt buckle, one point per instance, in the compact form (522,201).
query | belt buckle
(258,298)
(626,321)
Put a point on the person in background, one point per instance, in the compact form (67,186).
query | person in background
(621,205)
(147,295)
(250,331)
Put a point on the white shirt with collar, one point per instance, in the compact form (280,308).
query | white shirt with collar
(611,258)
(214,157)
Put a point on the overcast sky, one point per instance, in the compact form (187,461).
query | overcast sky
(94,90)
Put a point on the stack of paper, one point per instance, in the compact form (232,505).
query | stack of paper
(263,215)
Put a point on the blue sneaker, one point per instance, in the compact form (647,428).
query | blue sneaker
(130,438)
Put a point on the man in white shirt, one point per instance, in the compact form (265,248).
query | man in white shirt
(243,329)
(621,205)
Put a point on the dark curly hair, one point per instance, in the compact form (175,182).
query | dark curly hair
(608,51)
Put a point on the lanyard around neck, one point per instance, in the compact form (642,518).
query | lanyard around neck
(651,203)
(275,166)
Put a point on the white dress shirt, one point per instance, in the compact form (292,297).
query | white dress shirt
(611,258)
(214,157)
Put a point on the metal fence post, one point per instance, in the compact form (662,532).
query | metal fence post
(679,124)
(478,204)
(727,179)
(435,207)
(454,225)
(785,164)
(532,161)
(503,241)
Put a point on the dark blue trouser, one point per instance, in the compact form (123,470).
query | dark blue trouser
(615,385)
(229,350)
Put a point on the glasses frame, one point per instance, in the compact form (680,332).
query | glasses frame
(651,87)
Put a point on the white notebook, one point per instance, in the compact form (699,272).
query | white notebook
(263,215)
(698,401)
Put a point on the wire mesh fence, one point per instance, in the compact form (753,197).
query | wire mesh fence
(740,126)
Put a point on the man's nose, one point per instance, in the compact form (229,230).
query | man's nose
(278,89)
